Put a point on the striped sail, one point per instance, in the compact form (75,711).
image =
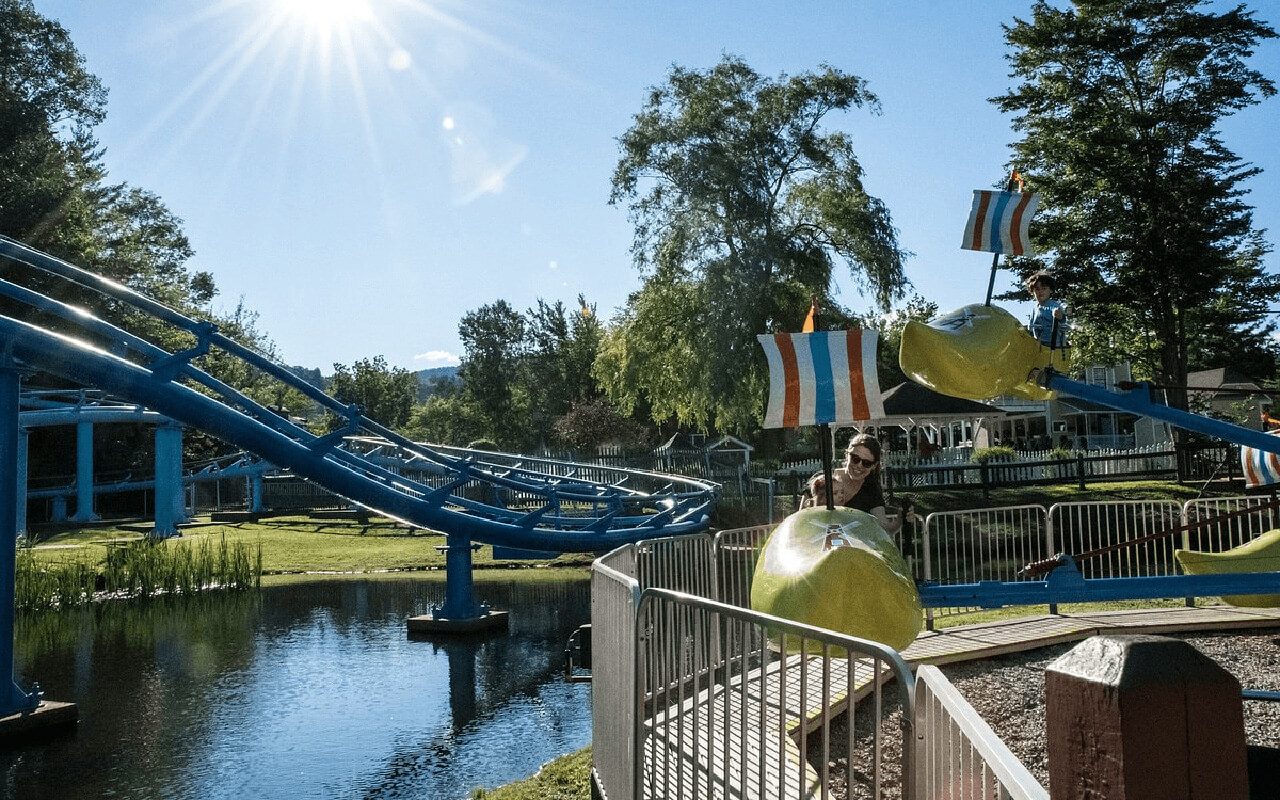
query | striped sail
(1260,467)
(826,377)
(998,222)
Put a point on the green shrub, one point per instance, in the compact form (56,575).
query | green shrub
(998,453)
(1062,453)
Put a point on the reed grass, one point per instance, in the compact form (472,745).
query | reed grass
(139,568)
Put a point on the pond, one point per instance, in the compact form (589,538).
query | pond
(310,689)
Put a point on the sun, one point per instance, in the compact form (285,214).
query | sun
(325,16)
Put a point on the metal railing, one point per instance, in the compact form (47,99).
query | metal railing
(1112,529)
(697,698)
(986,544)
(958,756)
(1117,539)
(737,704)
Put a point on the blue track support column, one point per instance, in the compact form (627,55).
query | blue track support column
(255,492)
(170,508)
(20,485)
(460,612)
(459,595)
(13,699)
(84,473)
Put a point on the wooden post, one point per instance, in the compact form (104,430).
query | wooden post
(1148,717)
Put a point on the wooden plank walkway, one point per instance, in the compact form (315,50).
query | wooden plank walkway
(985,640)
(740,739)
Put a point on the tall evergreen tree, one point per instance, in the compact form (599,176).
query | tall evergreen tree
(1144,219)
(493,340)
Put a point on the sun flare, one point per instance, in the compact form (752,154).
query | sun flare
(325,15)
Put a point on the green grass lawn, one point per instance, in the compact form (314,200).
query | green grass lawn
(298,544)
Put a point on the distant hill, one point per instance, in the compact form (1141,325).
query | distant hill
(311,376)
(429,380)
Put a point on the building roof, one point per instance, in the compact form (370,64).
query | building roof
(1220,379)
(911,403)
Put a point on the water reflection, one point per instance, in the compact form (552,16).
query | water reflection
(309,690)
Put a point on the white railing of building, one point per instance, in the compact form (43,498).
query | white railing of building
(958,756)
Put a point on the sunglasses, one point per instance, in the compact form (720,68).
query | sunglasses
(868,463)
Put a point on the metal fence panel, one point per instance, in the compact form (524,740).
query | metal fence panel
(1229,521)
(614,596)
(1103,536)
(737,704)
(736,552)
(958,756)
(984,544)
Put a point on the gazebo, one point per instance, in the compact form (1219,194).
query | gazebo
(919,420)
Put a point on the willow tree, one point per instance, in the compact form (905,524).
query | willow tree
(744,207)
(1143,218)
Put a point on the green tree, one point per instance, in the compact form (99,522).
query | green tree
(386,394)
(743,207)
(591,423)
(52,190)
(1143,218)
(494,345)
(890,326)
(446,418)
(49,104)
(560,350)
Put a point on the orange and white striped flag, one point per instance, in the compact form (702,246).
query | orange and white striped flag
(998,222)
(826,377)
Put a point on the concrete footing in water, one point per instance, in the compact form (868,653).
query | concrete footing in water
(50,717)
(429,623)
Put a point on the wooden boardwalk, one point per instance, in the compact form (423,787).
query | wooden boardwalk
(971,642)
(740,738)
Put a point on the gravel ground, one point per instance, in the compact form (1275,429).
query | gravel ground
(1008,692)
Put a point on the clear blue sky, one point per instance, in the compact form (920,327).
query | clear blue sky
(363,173)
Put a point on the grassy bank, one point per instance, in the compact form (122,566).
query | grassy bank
(292,545)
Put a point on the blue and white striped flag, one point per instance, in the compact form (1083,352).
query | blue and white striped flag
(826,377)
(998,222)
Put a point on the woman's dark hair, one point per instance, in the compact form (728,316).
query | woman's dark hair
(1043,278)
(868,441)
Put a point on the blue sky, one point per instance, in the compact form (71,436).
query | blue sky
(362,173)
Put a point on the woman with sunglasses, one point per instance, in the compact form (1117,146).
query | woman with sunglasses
(856,484)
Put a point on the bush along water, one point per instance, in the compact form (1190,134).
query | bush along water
(143,568)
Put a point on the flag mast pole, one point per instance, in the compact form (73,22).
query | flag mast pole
(1010,185)
(812,324)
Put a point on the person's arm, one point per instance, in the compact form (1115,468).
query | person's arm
(812,491)
(893,524)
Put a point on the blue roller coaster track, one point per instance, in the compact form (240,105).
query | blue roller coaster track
(516,502)
(472,497)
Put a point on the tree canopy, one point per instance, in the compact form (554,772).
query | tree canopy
(1144,219)
(743,207)
(386,394)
